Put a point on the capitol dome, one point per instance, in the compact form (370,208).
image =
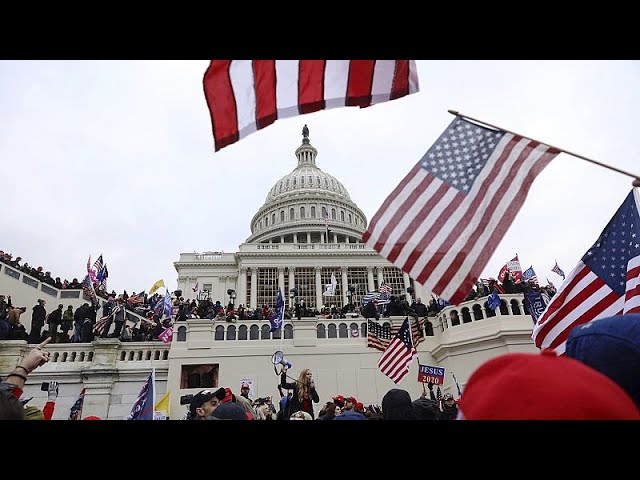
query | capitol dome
(296,206)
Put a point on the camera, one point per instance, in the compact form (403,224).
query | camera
(44,387)
(186,399)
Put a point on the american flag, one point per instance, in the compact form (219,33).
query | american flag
(244,96)
(398,355)
(98,264)
(136,299)
(76,409)
(385,288)
(558,270)
(605,282)
(530,275)
(447,216)
(379,334)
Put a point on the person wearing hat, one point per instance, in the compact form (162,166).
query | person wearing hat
(204,403)
(548,387)
(38,317)
(244,390)
(339,401)
(370,310)
(228,411)
(611,346)
(349,404)
(449,407)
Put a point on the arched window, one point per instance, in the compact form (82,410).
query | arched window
(219,333)
(287,183)
(231,332)
(363,330)
(342,215)
(333,213)
(353,330)
(322,332)
(477,312)
(266,221)
(280,188)
(313,212)
(515,308)
(266,335)
(182,334)
(254,332)
(288,332)
(302,181)
(294,181)
(318,178)
(242,332)
(455,319)
(333,332)
(302,212)
(291,214)
(343,331)
(324,212)
(282,215)
(350,219)
(273,219)
(326,183)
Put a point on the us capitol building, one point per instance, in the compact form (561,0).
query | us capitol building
(291,246)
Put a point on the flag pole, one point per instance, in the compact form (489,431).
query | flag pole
(636,178)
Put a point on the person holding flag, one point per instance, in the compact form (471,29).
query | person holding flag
(143,407)
(277,318)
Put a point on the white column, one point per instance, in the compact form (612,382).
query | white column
(319,288)
(370,285)
(407,284)
(346,239)
(292,281)
(345,286)
(242,294)
(335,238)
(308,237)
(254,287)
(281,282)
(295,238)
(322,238)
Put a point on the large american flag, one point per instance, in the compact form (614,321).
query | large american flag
(444,220)
(605,282)
(379,334)
(75,413)
(244,96)
(398,355)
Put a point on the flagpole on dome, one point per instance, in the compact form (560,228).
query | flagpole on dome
(636,178)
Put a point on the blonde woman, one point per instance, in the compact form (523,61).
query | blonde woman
(304,392)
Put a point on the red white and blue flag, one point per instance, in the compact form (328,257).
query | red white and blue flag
(558,270)
(605,282)
(76,409)
(445,219)
(398,355)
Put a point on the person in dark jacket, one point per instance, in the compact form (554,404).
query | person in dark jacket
(37,321)
(394,309)
(397,405)
(370,310)
(304,392)
(54,319)
(419,307)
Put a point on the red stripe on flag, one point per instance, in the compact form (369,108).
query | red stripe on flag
(500,229)
(311,85)
(550,318)
(222,103)
(400,86)
(264,74)
(587,316)
(360,83)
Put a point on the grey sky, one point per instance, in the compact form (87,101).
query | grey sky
(116,157)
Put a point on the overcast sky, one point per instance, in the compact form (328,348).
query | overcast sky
(116,158)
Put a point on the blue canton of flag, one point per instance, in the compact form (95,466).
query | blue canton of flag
(276,319)
(535,303)
(493,300)
(143,408)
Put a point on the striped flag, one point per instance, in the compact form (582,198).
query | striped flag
(385,289)
(379,334)
(244,96)
(447,216)
(558,270)
(76,409)
(605,282)
(398,355)
(97,266)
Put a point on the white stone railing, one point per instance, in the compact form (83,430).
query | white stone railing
(127,352)
(296,247)
(477,310)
